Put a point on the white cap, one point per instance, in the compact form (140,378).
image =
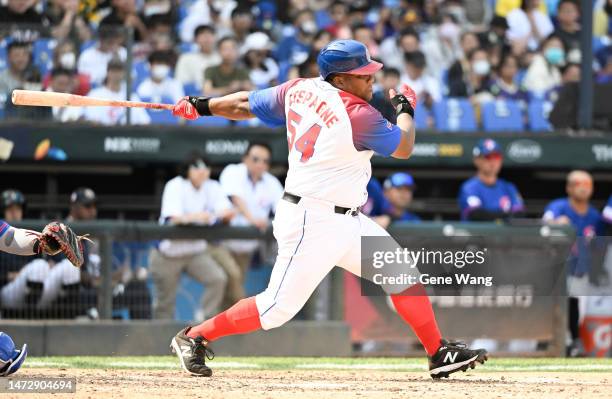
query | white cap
(256,41)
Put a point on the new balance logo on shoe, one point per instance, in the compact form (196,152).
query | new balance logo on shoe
(185,350)
(450,357)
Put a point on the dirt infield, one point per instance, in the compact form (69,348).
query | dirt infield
(253,384)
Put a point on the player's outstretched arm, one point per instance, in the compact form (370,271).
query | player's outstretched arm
(18,241)
(404,104)
(233,106)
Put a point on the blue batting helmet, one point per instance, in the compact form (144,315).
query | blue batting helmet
(346,56)
(10,358)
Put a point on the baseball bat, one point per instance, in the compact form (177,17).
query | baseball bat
(50,99)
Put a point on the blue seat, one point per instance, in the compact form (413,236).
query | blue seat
(3,54)
(87,44)
(192,89)
(421,114)
(538,111)
(210,121)
(140,71)
(454,115)
(501,116)
(42,54)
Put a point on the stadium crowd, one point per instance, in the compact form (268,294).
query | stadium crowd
(459,56)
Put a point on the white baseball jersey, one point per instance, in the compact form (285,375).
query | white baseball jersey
(331,134)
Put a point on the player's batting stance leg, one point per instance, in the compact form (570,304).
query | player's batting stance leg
(332,133)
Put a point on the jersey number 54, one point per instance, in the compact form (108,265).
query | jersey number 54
(305,141)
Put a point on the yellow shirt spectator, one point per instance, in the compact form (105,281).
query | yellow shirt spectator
(503,7)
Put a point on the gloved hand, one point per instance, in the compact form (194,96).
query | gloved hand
(407,92)
(185,109)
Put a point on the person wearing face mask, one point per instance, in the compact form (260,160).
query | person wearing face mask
(469,42)
(544,72)
(296,44)
(65,57)
(441,45)
(475,79)
(160,85)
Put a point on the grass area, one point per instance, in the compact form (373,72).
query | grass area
(319,363)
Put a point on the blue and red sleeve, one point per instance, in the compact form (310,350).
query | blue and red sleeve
(371,131)
(269,104)
(3,227)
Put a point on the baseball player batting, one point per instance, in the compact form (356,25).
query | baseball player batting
(332,134)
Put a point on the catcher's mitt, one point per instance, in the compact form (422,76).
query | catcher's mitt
(56,237)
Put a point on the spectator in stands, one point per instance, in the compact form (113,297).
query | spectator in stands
(62,81)
(458,72)
(228,76)
(364,34)
(426,87)
(544,72)
(114,89)
(307,69)
(486,196)
(254,193)
(93,61)
(602,15)
(503,7)
(528,25)
(295,47)
(20,21)
(605,73)
(160,85)
(576,210)
(496,34)
(191,66)
(441,45)
(393,48)
(340,28)
(241,25)
(12,203)
(66,21)
(476,80)
(263,69)
(20,70)
(380,99)
(190,198)
(65,57)
(568,24)
(125,14)
(506,86)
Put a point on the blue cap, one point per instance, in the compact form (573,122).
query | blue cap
(346,56)
(486,147)
(10,358)
(399,179)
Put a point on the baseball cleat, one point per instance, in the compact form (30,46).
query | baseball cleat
(452,357)
(192,353)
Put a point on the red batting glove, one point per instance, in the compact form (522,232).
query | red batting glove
(407,92)
(185,109)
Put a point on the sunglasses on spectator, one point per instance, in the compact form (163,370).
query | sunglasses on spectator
(258,160)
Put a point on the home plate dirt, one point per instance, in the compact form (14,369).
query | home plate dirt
(250,384)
